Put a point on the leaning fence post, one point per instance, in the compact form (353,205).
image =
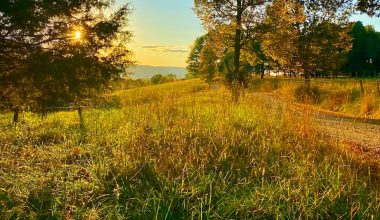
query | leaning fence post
(361,86)
(15,116)
(80,111)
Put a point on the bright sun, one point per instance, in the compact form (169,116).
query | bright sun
(77,35)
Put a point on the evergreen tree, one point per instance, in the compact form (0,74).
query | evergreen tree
(364,57)
(193,60)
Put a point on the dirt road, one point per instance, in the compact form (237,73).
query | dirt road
(356,132)
(364,134)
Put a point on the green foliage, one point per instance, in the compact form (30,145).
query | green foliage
(301,39)
(226,69)
(202,60)
(256,58)
(159,78)
(371,7)
(44,64)
(127,83)
(308,38)
(231,25)
(156,79)
(208,64)
(194,59)
(364,58)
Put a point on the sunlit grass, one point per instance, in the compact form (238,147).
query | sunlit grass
(339,95)
(179,151)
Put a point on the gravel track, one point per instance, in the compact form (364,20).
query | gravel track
(354,131)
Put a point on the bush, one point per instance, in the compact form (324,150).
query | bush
(308,94)
(108,102)
(159,79)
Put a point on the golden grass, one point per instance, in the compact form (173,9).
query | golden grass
(337,95)
(178,151)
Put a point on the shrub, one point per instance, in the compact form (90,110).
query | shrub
(159,79)
(308,94)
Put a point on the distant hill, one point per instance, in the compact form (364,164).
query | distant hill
(146,72)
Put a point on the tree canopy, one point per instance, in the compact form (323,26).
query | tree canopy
(232,23)
(297,36)
(371,7)
(364,58)
(55,53)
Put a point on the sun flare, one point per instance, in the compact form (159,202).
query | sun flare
(77,35)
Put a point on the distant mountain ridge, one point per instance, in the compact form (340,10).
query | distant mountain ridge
(146,72)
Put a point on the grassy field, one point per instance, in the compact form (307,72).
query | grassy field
(180,151)
(346,96)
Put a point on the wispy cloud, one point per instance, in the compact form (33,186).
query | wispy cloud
(175,51)
(165,49)
(153,47)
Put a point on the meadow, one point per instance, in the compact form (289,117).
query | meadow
(181,151)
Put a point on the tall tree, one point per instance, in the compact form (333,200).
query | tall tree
(281,39)
(232,22)
(255,57)
(193,61)
(203,59)
(335,12)
(208,61)
(60,53)
(334,43)
(304,36)
(364,57)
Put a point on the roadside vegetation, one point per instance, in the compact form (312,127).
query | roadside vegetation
(351,97)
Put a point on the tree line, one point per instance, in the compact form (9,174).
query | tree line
(363,60)
(309,38)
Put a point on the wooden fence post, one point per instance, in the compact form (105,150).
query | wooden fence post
(361,86)
(15,115)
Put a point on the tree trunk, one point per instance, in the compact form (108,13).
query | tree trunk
(237,48)
(243,90)
(80,112)
(262,72)
(44,112)
(15,115)
(307,77)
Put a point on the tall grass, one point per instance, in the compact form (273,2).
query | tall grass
(179,151)
(338,95)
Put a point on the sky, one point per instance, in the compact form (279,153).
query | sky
(164,30)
